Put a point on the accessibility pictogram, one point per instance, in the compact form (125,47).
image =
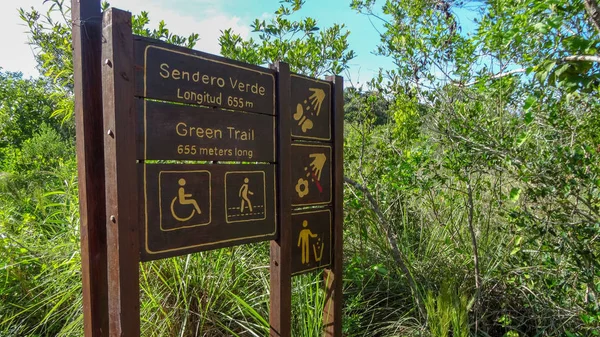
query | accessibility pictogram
(183,197)
(201,206)
(245,196)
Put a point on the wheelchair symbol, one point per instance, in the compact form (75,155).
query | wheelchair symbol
(184,199)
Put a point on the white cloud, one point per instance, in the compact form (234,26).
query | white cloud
(207,20)
(15,53)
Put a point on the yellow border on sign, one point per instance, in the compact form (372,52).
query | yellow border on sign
(330,175)
(330,240)
(264,201)
(274,122)
(147,248)
(150,252)
(330,109)
(220,62)
(209,60)
(209,200)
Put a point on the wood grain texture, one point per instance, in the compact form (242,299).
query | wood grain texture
(226,205)
(310,109)
(177,74)
(122,202)
(280,314)
(183,132)
(332,313)
(87,45)
(312,175)
(312,239)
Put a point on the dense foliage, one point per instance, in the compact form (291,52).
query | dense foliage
(472,202)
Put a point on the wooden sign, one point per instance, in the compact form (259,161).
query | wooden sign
(183,75)
(311,108)
(311,174)
(275,141)
(311,234)
(183,132)
(189,208)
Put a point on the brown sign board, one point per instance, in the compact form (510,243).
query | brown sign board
(183,132)
(311,174)
(311,108)
(170,73)
(188,208)
(164,102)
(311,239)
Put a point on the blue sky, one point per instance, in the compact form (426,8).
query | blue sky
(208,18)
(363,37)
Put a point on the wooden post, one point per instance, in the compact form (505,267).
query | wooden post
(280,314)
(87,45)
(121,175)
(332,313)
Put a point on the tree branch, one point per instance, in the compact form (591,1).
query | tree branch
(581,58)
(396,254)
(571,58)
(471,210)
(494,77)
(593,10)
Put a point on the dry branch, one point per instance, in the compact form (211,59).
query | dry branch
(396,253)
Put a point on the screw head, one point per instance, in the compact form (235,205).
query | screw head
(113,219)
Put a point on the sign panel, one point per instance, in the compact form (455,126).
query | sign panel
(311,108)
(218,110)
(189,208)
(311,174)
(176,74)
(311,238)
(183,132)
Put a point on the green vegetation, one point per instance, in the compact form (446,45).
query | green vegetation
(472,202)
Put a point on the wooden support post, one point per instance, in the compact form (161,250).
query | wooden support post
(121,175)
(280,314)
(87,45)
(332,313)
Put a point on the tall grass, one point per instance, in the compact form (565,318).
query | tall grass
(225,292)
(204,292)
(42,266)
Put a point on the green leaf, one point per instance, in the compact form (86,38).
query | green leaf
(515,194)
(380,269)
(529,101)
(515,250)
(544,70)
(528,117)
(518,240)
(522,139)
(541,27)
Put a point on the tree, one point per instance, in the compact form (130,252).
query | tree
(511,108)
(368,107)
(40,294)
(51,40)
(25,105)
(308,49)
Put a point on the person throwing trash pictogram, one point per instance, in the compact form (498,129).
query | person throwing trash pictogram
(244,192)
(304,240)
